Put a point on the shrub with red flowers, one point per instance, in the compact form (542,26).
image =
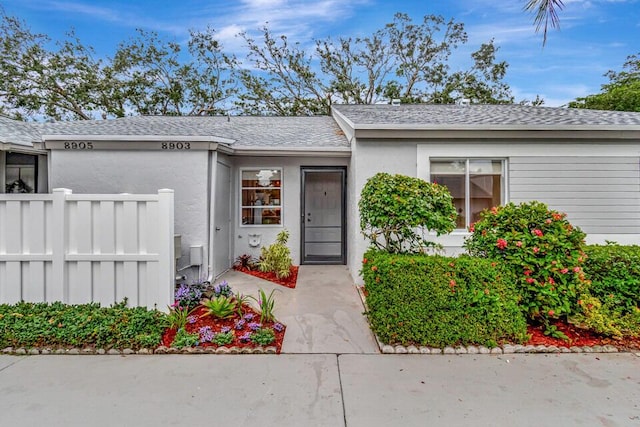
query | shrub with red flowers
(544,251)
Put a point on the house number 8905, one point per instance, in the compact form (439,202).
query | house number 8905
(78,146)
(176,146)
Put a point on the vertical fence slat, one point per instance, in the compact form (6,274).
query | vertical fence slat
(3,281)
(104,290)
(3,225)
(82,227)
(58,290)
(166,270)
(106,234)
(13,227)
(12,292)
(33,288)
(142,284)
(129,285)
(152,287)
(36,230)
(80,280)
(130,227)
(12,233)
(143,227)
(33,281)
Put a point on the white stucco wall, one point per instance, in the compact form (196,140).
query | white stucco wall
(142,172)
(369,158)
(291,189)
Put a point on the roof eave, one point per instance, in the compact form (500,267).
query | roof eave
(467,132)
(293,151)
(138,138)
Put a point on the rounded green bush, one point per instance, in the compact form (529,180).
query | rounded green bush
(395,208)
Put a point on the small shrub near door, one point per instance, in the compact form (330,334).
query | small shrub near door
(438,301)
(396,211)
(276,258)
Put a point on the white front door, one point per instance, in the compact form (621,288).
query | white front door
(323,215)
(222,220)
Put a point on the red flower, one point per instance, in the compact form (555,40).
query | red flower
(452,283)
(530,280)
(494,210)
(551,280)
(564,271)
(551,313)
(576,269)
(536,250)
(472,227)
(501,243)
(519,244)
(374,268)
(537,232)
(548,221)
(364,261)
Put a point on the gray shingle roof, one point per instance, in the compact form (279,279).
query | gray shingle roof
(246,132)
(425,116)
(18,133)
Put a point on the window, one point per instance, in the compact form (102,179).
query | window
(20,173)
(475,184)
(261,197)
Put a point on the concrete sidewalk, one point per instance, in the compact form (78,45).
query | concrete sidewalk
(321,390)
(323,314)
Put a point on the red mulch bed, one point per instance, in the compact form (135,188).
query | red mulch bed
(217,324)
(289,282)
(578,337)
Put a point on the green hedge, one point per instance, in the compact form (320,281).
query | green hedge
(439,301)
(614,271)
(62,325)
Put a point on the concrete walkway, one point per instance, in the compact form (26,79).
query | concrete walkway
(321,390)
(323,313)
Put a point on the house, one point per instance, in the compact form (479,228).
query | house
(239,180)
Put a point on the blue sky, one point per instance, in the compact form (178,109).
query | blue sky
(595,35)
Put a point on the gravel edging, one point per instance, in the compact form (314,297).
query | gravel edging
(472,349)
(22,351)
(506,349)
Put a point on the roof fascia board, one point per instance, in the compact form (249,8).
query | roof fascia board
(136,138)
(483,127)
(15,148)
(292,153)
(497,134)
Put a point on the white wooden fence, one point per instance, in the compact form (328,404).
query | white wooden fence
(79,248)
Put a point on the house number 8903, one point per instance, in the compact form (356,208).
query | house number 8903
(176,146)
(78,146)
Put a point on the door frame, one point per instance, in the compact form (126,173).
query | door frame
(225,187)
(343,222)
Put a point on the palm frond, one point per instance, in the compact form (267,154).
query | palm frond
(546,12)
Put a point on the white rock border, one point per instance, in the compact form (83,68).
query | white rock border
(35,351)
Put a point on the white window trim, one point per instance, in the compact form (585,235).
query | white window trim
(504,181)
(241,206)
